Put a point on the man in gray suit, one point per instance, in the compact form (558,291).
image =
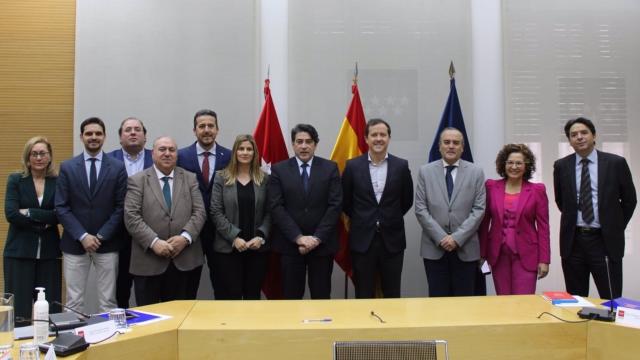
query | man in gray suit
(450,202)
(164,214)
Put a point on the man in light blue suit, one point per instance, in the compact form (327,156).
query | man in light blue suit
(133,137)
(89,204)
(203,158)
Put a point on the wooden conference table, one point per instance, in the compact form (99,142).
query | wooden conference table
(492,327)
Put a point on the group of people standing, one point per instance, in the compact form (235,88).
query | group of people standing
(182,206)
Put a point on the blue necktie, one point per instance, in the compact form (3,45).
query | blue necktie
(305,177)
(166,191)
(93,175)
(449,180)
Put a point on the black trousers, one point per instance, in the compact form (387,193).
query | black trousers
(207,235)
(124,281)
(239,275)
(168,286)
(587,257)
(294,272)
(22,276)
(377,260)
(450,276)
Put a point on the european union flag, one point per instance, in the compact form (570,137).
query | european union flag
(451,117)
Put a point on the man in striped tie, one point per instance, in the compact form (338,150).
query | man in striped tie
(595,193)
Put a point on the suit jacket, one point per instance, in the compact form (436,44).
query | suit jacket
(148,160)
(360,204)
(295,213)
(80,211)
(616,201)
(24,231)
(146,217)
(225,213)
(459,217)
(188,160)
(532,224)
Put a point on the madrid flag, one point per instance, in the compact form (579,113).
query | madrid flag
(272,149)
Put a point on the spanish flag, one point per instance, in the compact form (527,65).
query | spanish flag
(349,144)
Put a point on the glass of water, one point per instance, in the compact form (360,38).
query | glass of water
(119,316)
(29,351)
(6,319)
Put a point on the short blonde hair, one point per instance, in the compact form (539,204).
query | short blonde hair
(26,155)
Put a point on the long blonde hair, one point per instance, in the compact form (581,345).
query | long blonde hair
(230,173)
(26,156)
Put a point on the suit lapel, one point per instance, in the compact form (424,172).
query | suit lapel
(458,181)
(154,184)
(178,189)
(602,165)
(391,170)
(572,178)
(82,174)
(105,168)
(295,174)
(49,190)
(441,180)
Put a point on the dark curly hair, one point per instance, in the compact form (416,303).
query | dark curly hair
(529,159)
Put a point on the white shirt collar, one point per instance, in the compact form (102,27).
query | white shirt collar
(160,174)
(87,156)
(200,149)
(445,164)
(300,162)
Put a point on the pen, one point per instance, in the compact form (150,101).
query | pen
(308,321)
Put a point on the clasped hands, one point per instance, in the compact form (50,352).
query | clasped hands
(242,245)
(306,243)
(448,244)
(171,247)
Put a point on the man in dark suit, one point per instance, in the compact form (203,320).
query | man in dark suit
(164,213)
(89,201)
(378,191)
(594,191)
(133,137)
(204,158)
(305,197)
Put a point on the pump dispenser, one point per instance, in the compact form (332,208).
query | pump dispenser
(41,318)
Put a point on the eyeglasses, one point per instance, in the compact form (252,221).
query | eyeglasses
(515,163)
(42,154)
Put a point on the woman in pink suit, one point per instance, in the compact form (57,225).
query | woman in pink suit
(514,235)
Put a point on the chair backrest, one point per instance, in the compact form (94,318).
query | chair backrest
(388,350)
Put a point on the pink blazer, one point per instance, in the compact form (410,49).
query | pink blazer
(532,224)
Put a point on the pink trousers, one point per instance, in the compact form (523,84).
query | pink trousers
(510,277)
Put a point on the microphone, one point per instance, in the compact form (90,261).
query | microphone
(600,314)
(86,316)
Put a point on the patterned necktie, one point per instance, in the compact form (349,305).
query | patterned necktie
(449,179)
(93,175)
(586,197)
(205,169)
(166,191)
(305,177)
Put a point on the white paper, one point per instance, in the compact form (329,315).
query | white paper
(628,316)
(97,332)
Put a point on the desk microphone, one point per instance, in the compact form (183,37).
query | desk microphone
(71,309)
(600,314)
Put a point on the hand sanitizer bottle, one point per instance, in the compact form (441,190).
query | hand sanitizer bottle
(41,318)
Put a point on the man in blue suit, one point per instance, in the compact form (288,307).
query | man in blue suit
(378,192)
(133,137)
(305,198)
(89,203)
(204,158)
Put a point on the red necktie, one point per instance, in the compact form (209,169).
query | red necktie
(205,168)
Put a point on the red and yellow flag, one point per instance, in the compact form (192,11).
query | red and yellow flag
(349,144)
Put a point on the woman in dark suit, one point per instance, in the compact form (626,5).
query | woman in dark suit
(514,235)
(32,250)
(241,216)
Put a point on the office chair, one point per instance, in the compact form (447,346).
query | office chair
(388,350)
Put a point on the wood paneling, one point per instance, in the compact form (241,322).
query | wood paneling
(37,49)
